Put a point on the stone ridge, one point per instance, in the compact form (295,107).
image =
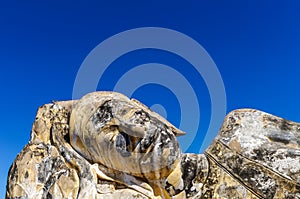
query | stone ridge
(255,155)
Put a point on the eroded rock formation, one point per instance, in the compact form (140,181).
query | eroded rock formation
(108,146)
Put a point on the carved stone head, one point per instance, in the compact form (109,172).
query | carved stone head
(124,135)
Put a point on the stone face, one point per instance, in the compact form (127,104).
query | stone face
(110,129)
(108,146)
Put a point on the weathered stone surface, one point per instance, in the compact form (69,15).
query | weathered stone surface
(108,146)
(260,151)
(122,134)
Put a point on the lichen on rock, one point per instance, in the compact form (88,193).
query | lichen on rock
(106,145)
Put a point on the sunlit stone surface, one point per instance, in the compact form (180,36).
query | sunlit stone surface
(108,146)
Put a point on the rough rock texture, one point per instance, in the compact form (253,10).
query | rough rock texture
(261,152)
(108,146)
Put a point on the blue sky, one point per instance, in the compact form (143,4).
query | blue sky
(255,45)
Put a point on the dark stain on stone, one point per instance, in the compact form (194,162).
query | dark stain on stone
(279,137)
(67,138)
(102,115)
(26,174)
(272,119)
(141,117)
(189,169)
(257,180)
(263,154)
(284,125)
(121,143)
(49,196)
(235,162)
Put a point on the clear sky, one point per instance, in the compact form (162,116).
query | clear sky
(254,44)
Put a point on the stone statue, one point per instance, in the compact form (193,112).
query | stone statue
(108,146)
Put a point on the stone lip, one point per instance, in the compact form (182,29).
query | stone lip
(255,155)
